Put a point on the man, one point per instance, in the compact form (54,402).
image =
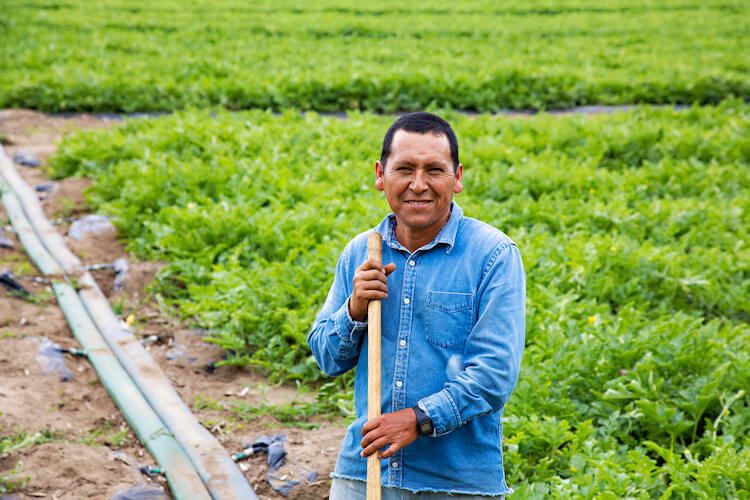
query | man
(453,323)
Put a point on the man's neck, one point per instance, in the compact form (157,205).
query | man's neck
(414,239)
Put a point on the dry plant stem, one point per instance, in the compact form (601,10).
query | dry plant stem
(374,253)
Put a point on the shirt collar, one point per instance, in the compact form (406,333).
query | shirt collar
(447,234)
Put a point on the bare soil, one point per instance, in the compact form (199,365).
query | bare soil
(75,426)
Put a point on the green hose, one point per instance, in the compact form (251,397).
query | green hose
(183,479)
(220,474)
(29,240)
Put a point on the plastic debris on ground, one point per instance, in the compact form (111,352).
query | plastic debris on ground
(51,360)
(174,353)
(121,267)
(26,159)
(280,484)
(141,491)
(274,446)
(9,281)
(4,241)
(45,189)
(94,223)
(146,470)
(284,484)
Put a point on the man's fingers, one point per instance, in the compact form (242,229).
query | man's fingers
(372,295)
(363,284)
(369,425)
(371,265)
(374,446)
(389,452)
(372,276)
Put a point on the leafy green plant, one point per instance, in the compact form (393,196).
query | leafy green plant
(632,228)
(15,480)
(203,402)
(118,438)
(389,56)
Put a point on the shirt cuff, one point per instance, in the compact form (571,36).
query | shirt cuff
(349,330)
(442,411)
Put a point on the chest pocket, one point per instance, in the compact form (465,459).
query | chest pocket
(448,318)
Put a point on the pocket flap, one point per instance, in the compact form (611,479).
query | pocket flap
(450,301)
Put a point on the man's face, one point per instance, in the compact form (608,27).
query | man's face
(419,180)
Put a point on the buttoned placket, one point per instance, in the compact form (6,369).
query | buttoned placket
(396,462)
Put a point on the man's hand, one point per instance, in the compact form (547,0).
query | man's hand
(370,283)
(397,429)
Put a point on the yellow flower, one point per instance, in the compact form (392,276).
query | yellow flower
(591,191)
(592,319)
(573,469)
(727,412)
(612,248)
(130,320)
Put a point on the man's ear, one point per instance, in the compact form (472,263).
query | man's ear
(458,186)
(379,182)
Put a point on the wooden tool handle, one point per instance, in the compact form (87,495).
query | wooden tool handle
(374,252)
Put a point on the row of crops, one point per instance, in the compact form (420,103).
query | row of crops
(633,226)
(126,56)
(633,229)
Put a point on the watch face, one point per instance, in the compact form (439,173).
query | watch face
(425,428)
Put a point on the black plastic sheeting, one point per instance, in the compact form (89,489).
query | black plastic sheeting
(9,281)
(274,446)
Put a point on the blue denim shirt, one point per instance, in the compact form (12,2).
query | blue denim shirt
(453,329)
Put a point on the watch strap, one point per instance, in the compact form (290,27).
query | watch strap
(424,422)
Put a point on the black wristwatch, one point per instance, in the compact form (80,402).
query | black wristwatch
(424,422)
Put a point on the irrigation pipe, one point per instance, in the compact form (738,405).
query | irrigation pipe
(219,473)
(44,262)
(217,469)
(183,479)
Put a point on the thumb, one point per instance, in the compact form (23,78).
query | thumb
(389,268)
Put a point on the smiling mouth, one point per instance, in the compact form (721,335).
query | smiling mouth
(418,202)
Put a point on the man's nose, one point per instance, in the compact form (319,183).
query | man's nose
(418,181)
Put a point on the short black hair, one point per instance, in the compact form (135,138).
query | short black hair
(422,123)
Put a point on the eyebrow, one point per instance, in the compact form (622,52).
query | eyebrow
(406,163)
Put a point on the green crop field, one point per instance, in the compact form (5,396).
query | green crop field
(634,232)
(633,226)
(121,55)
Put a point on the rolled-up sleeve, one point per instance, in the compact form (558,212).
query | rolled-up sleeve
(492,356)
(335,338)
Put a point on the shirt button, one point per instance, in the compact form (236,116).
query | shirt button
(406,300)
(394,465)
(399,383)
(412,263)
(402,343)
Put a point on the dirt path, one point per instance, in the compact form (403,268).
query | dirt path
(74,426)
